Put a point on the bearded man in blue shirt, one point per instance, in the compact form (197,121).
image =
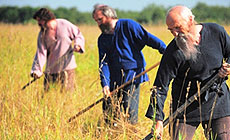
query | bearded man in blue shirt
(120,60)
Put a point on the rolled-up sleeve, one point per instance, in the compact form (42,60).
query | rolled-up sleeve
(40,58)
(78,38)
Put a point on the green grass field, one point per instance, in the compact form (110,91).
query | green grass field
(25,115)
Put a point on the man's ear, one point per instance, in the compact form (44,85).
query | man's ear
(191,19)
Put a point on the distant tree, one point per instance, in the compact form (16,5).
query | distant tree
(25,14)
(9,14)
(73,15)
(205,13)
(84,18)
(127,14)
(65,13)
(152,14)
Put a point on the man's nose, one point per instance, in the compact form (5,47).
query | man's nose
(39,22)
(175,33)
(98,22)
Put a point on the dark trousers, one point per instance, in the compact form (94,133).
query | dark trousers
(220,129)
(64,78)
(125,101)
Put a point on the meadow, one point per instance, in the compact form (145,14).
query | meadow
(26,115)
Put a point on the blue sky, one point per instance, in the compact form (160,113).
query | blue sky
(87,5)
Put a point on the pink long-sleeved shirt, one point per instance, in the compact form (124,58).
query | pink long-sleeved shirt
(54,54)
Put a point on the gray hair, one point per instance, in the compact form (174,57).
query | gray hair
(106,11)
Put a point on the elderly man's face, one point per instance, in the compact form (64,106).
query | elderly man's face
(182,31)
(99,18)
(103,22)
(177,25)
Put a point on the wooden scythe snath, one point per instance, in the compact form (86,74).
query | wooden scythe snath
(70,50)
(187,103)
(114,91)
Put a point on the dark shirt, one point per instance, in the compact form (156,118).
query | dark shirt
(214,47)
(120,56)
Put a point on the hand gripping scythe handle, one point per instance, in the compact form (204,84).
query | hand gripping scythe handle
(187,103)
(114,91)
(29,83)
(69,51)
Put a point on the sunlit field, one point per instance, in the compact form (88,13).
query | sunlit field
(26,115)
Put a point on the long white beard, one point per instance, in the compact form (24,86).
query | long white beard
(186,45)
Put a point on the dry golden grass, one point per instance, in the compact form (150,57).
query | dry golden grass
(25,115)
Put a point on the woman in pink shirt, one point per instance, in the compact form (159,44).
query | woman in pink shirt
(54,48)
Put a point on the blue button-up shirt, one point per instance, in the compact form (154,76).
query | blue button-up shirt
(120,56)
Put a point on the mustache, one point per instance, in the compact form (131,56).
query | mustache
(181,41)
(188,48)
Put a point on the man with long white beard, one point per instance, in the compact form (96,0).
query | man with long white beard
(193,57)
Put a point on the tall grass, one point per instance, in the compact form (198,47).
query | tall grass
(26,115)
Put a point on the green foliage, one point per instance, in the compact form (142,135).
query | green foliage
(72,14)
(152,14)
(127,14)
(205,13)
(25,14)
(9,14)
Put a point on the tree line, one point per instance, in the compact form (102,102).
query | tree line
(152,14)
